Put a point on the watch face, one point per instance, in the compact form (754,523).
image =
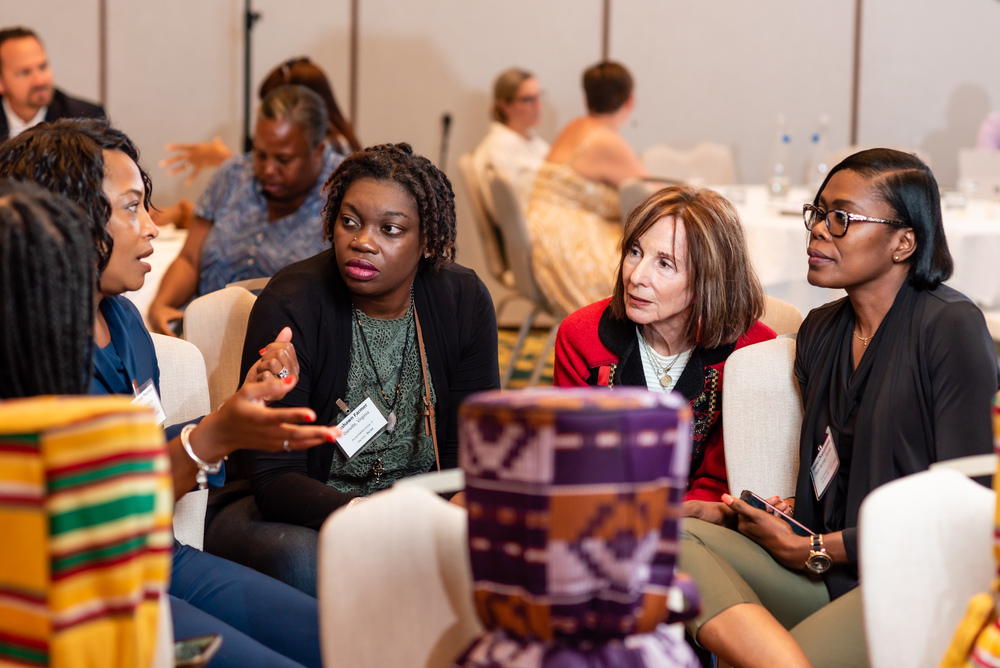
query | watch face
(819,562)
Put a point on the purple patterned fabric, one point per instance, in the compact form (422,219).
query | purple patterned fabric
(574,501)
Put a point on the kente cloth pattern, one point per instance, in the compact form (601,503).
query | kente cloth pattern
(408,451)
(575,233)
(574,501)
(85,505)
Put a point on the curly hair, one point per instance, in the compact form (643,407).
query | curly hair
(430,188)
(67,157)
(47,282)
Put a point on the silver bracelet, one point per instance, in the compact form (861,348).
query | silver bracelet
(204,468)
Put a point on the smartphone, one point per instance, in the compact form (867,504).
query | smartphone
(196,652)
(757,502)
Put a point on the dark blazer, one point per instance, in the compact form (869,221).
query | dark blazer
(460,336)
(920,394)
(62,106)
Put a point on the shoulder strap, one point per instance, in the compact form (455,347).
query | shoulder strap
(429,426)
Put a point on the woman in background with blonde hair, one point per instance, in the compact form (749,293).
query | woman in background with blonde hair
(510,146)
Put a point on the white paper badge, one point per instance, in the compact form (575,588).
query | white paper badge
(148,397)
(360,427)
(826,465)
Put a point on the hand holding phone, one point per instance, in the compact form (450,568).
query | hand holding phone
(196,652)
(759,503)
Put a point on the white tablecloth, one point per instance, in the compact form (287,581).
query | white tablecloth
(166,247)
(778,240)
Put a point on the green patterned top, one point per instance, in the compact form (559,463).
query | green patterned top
(407,451)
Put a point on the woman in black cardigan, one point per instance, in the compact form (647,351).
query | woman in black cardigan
(894,377)
(370,318)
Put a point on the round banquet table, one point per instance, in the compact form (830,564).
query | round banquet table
(778,240)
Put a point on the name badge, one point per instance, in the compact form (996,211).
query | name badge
(360,427)
(148,397)
(825,467)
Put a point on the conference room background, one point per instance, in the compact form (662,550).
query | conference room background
(928,71)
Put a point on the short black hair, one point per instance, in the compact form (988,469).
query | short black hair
(47,284)
(608,86)
(428,185)
(17,32)
(67,157)
(906,183)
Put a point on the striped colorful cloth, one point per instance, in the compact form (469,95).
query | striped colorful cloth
(976,643)
(85,509)
(574,501)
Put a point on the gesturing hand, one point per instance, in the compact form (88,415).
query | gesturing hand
(195,157)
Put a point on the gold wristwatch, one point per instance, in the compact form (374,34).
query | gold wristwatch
(818,561)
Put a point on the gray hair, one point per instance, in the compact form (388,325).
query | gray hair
(298,105)
(505,88)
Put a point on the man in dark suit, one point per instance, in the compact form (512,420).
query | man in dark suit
(26,91)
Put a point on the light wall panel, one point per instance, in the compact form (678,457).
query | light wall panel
(721,71)
(931,73)
(420,60)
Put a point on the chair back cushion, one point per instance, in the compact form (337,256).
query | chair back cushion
(925,548)
(217,324)
(782,317)
(395,587)
(762,418)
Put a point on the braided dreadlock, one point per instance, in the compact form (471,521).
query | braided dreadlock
(428,185)
(47,281)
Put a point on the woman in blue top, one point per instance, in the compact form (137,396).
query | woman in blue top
(97,167)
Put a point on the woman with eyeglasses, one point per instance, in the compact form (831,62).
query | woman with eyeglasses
(511,147)
(894,377)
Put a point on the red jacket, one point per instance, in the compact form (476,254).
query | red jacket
(593,348)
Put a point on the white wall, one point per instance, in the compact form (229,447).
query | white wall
(931,73)
(723,73)
(718,70)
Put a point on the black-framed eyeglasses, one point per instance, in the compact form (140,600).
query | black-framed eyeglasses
(838,221)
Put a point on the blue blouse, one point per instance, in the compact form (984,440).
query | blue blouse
(243,243)
(130,357)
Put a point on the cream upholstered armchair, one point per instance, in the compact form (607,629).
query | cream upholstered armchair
(705,163)
(217,324)
(184,394)
(762,417)
(395,584)
(782,317)
(926,547)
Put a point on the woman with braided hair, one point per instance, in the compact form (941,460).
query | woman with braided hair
(373,317)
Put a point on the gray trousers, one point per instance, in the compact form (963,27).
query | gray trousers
(730,569)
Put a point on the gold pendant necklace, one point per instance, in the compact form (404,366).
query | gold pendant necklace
(663,372)
(864,340)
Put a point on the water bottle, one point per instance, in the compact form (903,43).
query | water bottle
(778,180)
(819,154)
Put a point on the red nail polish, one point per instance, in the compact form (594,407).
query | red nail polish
(262,350)
(330,438)
(287,380)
